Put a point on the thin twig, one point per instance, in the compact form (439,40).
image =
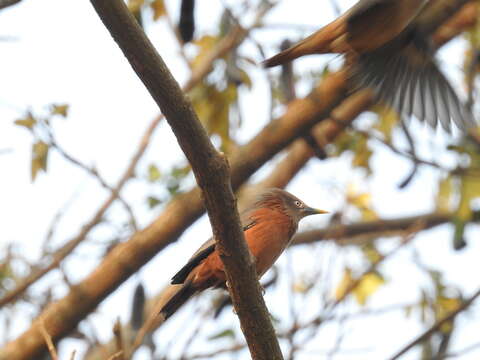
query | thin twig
(67,248)
(425,335)
(409,234)
(117,332)
(461,352)
(116,356)
(94,172)
(48,341)
(212,354)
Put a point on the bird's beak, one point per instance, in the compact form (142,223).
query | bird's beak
(312,211)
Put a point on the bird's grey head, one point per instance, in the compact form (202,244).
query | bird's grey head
(288,203)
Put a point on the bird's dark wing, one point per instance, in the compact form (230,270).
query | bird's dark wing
(366,10)
(196,259)
(409,80)
(201,254)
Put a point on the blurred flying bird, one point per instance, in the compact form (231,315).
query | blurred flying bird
(387,52)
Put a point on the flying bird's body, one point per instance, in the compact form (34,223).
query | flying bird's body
(365,27)
(387,52)
(268,224)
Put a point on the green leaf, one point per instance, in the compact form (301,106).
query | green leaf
(223,334)
(458,235)
(180,172)
(154,173)
(153,201)
(173,187)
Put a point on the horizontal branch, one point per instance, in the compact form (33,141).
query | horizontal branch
(349,234)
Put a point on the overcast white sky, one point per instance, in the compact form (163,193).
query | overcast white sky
(59,52)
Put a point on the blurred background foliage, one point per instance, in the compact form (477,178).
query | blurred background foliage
(342,283)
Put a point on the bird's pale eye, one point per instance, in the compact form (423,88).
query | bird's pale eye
(298,204)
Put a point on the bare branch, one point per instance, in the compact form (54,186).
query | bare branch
(6,3)
(437,326)
(211,170)
(355,233)
(117,332)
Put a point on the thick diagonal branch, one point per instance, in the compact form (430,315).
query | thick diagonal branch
(211,170)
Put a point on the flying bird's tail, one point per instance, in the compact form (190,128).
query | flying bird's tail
(179,297)
(320,42)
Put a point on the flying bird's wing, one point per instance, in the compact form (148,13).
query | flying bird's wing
(411,83)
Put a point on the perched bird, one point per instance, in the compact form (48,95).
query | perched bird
(387,52)
(268,225)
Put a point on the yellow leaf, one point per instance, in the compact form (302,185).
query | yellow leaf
(387,119)
(135,5)
(301,287)
(29,121)
(39,158)
(362,154)
(158,7)
(154,173)
(61,110)
(360,200)
(213,109)
(368,285)
(469,190)
(444,306)
(345,284)
(444,195)
(205,45)
(368,214)
(449,304)
(372,253)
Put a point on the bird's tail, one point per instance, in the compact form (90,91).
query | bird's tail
(319,42)
(178,299)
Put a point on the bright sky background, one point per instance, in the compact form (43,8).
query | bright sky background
(59,52)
